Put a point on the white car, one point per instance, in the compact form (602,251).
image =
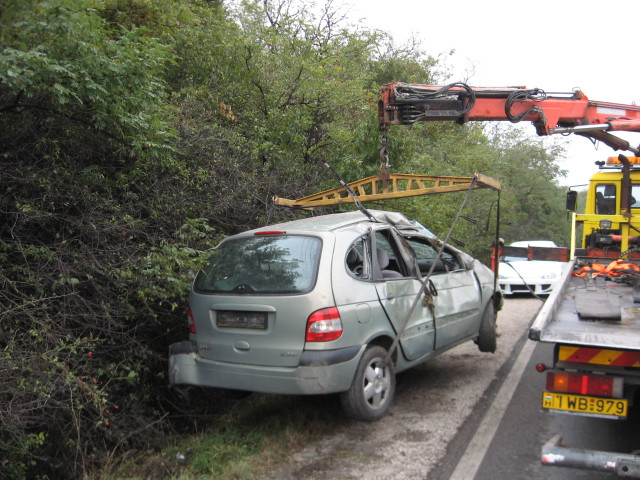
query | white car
(520,275)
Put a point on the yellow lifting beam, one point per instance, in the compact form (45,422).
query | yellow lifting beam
(387,186)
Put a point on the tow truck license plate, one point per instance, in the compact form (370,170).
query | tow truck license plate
(611,407)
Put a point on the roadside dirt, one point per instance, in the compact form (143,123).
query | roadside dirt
(431,403)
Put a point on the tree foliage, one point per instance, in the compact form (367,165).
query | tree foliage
(134,134)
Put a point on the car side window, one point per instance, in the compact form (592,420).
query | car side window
(358,260)
(426,254)
(451,261)
(388,256)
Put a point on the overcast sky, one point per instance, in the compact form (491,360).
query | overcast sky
(554,45)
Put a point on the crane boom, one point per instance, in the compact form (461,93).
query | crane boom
(554,113)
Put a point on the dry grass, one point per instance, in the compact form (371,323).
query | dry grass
(246,440)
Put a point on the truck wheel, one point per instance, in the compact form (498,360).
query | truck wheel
(371,392)
(487,335)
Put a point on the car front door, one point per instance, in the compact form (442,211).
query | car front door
(397,285)
(457,296)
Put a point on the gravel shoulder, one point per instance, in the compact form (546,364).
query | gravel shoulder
(432,401)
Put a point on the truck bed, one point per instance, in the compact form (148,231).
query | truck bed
(608,316)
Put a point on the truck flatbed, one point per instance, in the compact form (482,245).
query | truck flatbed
(589,312)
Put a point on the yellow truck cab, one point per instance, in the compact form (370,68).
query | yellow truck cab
(611,222)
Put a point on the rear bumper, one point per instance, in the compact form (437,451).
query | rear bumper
(186,367)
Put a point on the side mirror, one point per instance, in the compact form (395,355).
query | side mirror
(572,201)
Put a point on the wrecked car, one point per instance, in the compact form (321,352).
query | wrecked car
(313,306)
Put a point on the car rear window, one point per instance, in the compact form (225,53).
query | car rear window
(282,264)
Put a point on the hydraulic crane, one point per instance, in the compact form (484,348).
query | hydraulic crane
(550,113)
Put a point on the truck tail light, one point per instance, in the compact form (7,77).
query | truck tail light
(191,322)
(324,325)
(583,384)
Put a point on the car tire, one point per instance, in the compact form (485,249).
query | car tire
(373,387)
(487,336)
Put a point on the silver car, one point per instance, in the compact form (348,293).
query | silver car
(313,306)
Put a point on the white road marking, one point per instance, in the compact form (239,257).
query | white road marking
(472,457)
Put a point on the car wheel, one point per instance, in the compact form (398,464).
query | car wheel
(487,335)
(371,392)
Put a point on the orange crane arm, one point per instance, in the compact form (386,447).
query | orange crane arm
(405,104)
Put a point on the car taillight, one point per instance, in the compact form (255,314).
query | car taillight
(582,384)
(191,322)
(324,325)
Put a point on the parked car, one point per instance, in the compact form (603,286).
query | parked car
(313,306)
(520,275)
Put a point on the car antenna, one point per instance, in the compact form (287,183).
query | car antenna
(350,191)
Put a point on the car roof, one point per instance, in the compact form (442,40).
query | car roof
(334,221)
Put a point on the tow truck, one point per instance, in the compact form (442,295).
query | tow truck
(592,317)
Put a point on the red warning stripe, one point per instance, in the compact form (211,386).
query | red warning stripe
(599,356)
(627,359)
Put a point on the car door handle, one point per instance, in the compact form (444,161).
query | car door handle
(432,288)
(391,296)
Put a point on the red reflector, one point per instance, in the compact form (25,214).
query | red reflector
(324,325)
(563,382)
(541,367)
(271,232)
(191,322)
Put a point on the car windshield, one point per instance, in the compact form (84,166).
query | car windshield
(262,264)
